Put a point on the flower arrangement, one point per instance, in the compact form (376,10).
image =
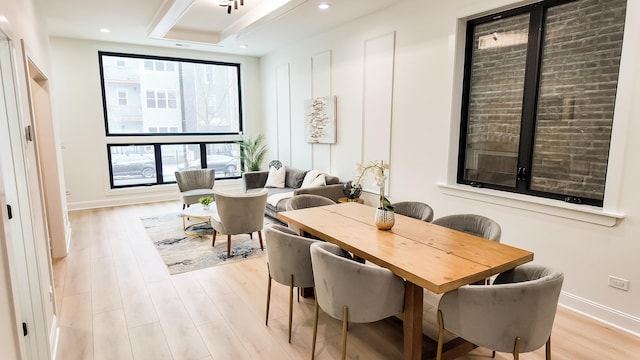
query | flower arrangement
(206,201)
(378,169)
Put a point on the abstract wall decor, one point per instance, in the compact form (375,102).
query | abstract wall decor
(320,117)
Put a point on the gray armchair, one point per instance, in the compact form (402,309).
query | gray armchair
(194,184)
(514,315)
(350,291)
(289,263)
(414,209)
(239,214)
(472,224)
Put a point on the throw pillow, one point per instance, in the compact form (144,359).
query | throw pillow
(318,181)
(309,177)
(275,178)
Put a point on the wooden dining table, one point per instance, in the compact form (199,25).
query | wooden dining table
(427,256)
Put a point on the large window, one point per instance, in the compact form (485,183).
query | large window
(539,93)
(166,102)
(194,97)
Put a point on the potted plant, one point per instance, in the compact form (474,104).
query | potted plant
(206,202)
(384,218)
(252,152)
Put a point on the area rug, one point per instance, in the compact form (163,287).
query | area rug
(182,252)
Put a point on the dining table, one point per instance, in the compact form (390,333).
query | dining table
(426,255)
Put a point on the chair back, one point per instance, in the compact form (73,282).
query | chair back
(241,213)
(195,179)
(370,292)
(521,303)
(306,201)
(289,254)
(414,209)
(472,224)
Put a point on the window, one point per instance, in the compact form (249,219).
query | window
(169,101)
(143,164)
(539,92)
(122,97)
(171,83)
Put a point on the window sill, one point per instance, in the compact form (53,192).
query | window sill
(586,213)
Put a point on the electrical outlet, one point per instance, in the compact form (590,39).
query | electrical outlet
(618,283)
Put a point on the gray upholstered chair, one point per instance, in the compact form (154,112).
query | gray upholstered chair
(306,201)
(194,184)
(414,209)
(289,263)
(350,291)
(514,315)
(472,224)
(241,213)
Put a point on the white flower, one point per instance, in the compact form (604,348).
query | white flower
(378,168)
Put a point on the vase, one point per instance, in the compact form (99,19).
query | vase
(384,219)
(206,206)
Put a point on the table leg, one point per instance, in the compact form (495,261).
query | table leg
(412,326)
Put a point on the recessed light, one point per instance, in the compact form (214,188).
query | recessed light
(244,46)
(105,30)
(324,5)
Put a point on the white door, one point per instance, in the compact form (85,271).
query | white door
(27,229)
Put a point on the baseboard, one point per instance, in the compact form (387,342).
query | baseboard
(604,314)
(132,196)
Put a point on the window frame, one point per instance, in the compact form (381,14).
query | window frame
(154,59)
(158,160)
(533,69)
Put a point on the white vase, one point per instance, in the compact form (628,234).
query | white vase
(206,206)
(384,219)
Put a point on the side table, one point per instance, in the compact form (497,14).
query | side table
(344,200)
(197,211)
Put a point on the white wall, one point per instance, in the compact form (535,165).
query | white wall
(78,106)
(425,121)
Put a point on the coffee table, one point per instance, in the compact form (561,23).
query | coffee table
(197,211)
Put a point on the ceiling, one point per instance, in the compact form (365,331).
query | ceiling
(257,28)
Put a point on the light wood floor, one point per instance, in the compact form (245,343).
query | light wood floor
(116,300)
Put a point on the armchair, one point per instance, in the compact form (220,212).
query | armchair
(194,184)
(238,214)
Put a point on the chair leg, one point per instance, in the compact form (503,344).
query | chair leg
(213,237)
(440,336)
(315,329)
(345,322)
(290,306)
(266,317)
(516,348)
(228,246)
(548,348)
(260,238)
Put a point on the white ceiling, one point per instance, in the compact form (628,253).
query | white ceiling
(261,25)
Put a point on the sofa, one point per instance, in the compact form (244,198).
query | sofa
(278,197)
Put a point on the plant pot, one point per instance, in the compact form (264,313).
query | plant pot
(206,206)
(385,219)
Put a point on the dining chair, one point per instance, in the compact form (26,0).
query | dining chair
(288,263)
(477,225)
(306,201)
(514,315)
(472,224)
(350,291)
(241,213)
(415,209)
(194,184)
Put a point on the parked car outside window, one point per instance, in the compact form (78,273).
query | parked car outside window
(133,165)
(220,163)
